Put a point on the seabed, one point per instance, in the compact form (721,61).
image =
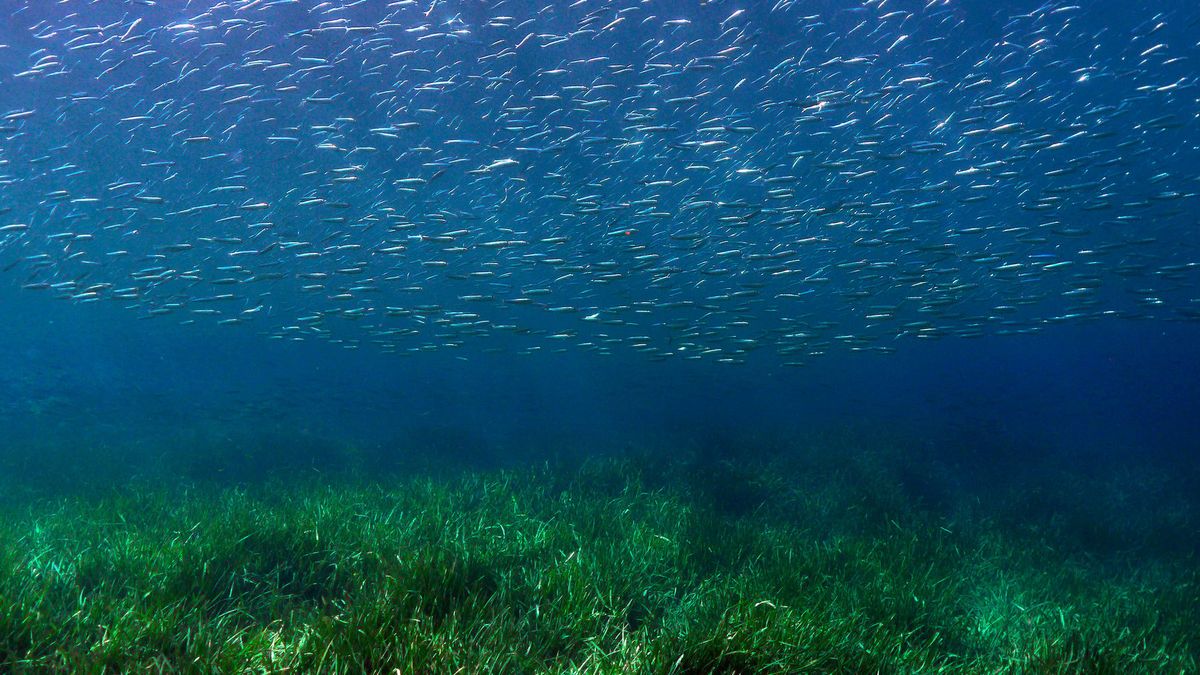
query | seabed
(821,560)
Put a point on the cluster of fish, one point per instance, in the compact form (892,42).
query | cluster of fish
(692,180)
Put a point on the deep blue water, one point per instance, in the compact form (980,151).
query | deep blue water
(88,379)
(80,380)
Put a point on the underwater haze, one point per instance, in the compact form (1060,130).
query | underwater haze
(705,336)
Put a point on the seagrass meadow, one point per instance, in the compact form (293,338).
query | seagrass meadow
(841,556)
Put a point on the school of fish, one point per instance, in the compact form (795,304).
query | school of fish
(690,180)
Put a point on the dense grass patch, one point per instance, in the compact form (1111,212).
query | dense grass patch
(795,563)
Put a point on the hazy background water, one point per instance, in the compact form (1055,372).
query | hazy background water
(81,383)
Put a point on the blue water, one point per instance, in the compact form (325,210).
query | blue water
(88,380)
(1117,378)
